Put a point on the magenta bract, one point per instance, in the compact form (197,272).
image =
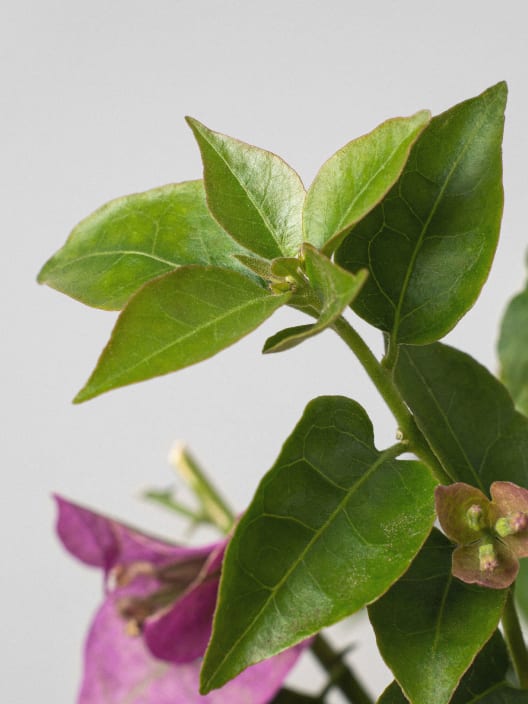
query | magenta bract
(146,641)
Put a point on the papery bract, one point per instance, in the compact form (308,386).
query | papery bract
(146,640)
(491,535)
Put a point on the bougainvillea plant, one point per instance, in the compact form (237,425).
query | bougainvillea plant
(399,227)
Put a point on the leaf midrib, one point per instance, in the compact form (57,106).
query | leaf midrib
(343,224)
(203,328)
(382,457)
(111,253)
(263,217)
(448,426)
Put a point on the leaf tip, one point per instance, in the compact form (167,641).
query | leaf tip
(85,394)
(196,126)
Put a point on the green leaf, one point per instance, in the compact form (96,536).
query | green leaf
(466,415)
(253,193)
(356,178)
(430,243)
(131,240)
(334,289)
(430,625)
(487,672)
(513,350)
(503,695)
(333,524)
(521,588)
(177,320)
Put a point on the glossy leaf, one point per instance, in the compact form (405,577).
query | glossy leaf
(513,350)
(333,524)
(466,415)
(430,626)
(177,320)
(430,243)
(333,288)
(134,239)
(488,672)
(356,178)
(252,193)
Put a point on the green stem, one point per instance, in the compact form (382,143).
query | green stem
(382,380)
(165,499)
(341,675)
(515,641)
(214,508)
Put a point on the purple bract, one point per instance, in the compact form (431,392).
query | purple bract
(146,640)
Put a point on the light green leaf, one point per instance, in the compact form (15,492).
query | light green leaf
(177,320)
(430,625)
(488,672)
(356,178)
(333,524)
(430,243)
(513,350)
(134,239)
(252,193)
(466,415)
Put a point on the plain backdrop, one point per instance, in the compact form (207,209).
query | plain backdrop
(94,95)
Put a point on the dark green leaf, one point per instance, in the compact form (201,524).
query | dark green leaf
(393,695)
(430,243)
(487,671)
(430,626)
(253,193)
(179,319)
(502,695)
(356,178)
(288,696)
(513,350)
(521,588)
(466,415)
(333,287)
(134,239)
(333,524)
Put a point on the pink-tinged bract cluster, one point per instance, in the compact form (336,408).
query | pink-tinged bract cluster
(491,535)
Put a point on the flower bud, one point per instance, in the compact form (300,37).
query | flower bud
(475,517)
(511,524)
(487,558)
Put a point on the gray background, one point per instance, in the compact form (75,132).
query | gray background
(94,95)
